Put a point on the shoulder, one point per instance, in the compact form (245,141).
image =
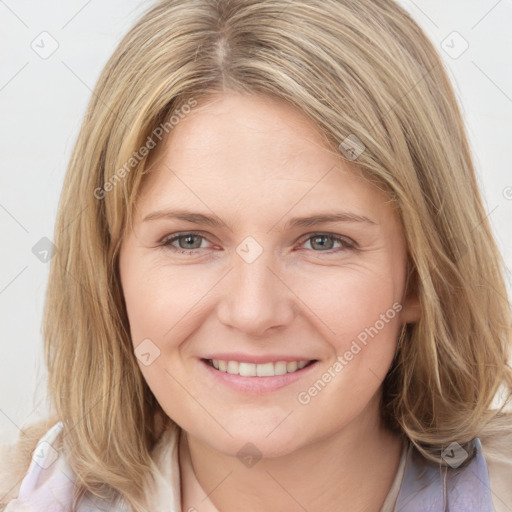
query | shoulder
(15,459)
(482,483)
(497,451)
(34,473)
(49,483)
(38,472)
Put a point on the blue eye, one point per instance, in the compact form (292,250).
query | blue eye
(190,242)
(185,241)
(326,242)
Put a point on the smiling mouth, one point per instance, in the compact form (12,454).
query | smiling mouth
(258,370)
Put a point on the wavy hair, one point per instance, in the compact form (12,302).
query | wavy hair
(355,67)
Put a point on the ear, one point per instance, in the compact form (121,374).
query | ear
(411,311)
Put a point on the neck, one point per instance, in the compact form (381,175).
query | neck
(351,470)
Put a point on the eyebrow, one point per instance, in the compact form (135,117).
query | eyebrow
(214,221)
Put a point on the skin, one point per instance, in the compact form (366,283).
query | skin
(255,162)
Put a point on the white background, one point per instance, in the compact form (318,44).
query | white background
(42,102)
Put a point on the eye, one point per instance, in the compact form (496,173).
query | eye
(189,242)
(325,242)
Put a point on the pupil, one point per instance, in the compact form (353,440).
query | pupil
(189,240)
(323,244)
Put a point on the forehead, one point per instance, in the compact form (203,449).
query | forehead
(251,151)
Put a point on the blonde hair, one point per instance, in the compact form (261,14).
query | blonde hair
(360,68)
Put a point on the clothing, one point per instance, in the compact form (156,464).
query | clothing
(419,486)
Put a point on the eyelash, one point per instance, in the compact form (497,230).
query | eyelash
(347,243)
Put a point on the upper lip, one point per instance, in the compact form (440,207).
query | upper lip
(259,359)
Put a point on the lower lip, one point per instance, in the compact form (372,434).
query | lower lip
(257,385)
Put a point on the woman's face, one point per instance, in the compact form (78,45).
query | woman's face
(260,277)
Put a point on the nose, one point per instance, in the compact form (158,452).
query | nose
(255,298)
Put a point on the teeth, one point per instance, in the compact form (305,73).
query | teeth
(265,370)
(280,368)
(258,370)
(291,367)
(233,367)
(247,370)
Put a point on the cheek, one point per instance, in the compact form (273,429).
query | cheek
(365,324)
(141,304)
(357,312)
(156,298)
(346,301)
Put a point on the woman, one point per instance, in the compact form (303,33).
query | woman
(282,292)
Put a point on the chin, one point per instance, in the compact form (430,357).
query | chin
(257,440)
(257,446)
